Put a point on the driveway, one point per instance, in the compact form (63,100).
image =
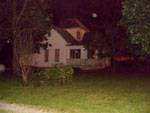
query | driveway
(17,108)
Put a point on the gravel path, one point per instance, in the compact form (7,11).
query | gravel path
(17,108)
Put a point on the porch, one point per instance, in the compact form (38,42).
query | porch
(89,64)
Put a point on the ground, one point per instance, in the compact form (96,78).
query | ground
(126,91)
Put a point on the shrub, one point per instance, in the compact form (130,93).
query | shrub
(57,75)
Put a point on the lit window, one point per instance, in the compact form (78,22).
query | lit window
(75,53)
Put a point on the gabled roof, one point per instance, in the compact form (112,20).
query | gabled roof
(72,23)
(67,36)
(87,38)
(70,39)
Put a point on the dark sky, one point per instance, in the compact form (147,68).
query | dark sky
(108,11)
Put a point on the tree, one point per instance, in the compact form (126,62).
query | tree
(25,24)
(136,20)
(23,55)
(112,42)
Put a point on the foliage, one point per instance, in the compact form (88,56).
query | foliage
(95,40)
(18,16)
(111,41)
(136,19)
(57,75)
(25,24)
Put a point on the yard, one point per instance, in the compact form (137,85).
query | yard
(90,92)
(1,111)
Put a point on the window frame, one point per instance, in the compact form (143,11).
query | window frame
(75,53)
(57,55)
(46,55)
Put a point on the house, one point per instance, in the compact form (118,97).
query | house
(67,48)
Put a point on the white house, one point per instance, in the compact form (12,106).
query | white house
(67,48)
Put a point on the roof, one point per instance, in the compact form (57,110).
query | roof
(72,23)
(70,39)
(67,36)
(86,39)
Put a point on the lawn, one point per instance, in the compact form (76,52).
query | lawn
(1,111)
(90,92)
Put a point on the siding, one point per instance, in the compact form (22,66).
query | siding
(57,42)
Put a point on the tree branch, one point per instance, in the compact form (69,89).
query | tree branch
(22,11)
(14,14)
(27,29)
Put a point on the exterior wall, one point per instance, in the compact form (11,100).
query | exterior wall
(57,42)
(73,32)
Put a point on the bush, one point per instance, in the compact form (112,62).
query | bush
(57,75)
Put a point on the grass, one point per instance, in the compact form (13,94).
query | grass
(90,92)
(2,111)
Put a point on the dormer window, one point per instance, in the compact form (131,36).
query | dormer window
(78,35)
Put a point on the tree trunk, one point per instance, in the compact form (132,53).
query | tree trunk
(24,78)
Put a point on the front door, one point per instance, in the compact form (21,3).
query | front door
(57,55)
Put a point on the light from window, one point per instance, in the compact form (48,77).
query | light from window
(91,54)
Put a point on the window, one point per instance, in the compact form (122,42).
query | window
(94,54)
(56,55)
(78,35)
(91,54)
(100,55)
(75,53)
(46,55)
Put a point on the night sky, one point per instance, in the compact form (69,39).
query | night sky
(108,11)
